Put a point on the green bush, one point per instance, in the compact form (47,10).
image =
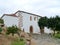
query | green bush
(0,30)
(57,35)
(1,21)
(12,30)
(18,42)
(21,39)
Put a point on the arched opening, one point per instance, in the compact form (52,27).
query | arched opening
(31,29)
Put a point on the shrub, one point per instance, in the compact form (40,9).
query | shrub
(0,30)
(1,21)
(18,42)
(57,35)
(21,39)
(12,30)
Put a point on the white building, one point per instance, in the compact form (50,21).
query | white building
(24,20)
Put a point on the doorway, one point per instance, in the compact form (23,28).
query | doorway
(31,29)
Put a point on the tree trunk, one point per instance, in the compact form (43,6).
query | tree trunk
(42,31)
(54,33)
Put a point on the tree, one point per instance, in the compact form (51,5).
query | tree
(42,23)
(58,23)
(12,30)
(53,23)
(57,27)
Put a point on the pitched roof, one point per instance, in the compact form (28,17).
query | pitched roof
(14,15)
(28,13)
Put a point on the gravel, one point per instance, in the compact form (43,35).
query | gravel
(45,39)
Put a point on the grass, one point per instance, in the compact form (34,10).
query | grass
(18,42)
(57,35)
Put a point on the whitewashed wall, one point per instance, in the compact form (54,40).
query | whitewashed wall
(10,20)
(27,23)
(46,30)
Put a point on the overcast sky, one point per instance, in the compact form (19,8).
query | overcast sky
(41,7)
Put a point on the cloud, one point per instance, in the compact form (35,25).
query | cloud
(42,7)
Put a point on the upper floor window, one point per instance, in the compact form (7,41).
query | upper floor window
(30,18)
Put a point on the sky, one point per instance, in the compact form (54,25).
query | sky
(41,7)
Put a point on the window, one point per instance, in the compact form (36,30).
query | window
(34,18)
(30,18)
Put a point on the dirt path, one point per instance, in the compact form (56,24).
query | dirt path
(45,40)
